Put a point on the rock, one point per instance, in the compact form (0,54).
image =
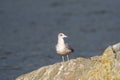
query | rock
(104,67)
(116,47)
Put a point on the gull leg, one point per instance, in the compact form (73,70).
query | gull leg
(63,58)
(68,58)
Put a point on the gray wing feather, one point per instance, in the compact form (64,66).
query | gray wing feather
(69,47)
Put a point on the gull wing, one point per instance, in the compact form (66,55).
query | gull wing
(69,47)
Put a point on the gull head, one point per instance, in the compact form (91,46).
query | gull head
(61,35)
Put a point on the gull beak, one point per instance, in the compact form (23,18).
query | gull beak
(65,36)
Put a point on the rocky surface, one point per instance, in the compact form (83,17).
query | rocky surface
(25,26)
(104,67)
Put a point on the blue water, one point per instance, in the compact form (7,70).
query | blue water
(29,28)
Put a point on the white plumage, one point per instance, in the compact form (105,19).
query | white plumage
(63,48)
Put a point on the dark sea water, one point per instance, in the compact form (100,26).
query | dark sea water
(29,28)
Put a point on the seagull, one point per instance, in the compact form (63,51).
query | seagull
(62,48)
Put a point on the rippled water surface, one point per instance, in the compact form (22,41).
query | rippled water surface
(29,28)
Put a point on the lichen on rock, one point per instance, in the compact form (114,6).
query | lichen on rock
(104,67)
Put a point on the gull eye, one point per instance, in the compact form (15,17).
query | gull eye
(61,35)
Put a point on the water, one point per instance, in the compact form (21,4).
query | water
(28,31)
